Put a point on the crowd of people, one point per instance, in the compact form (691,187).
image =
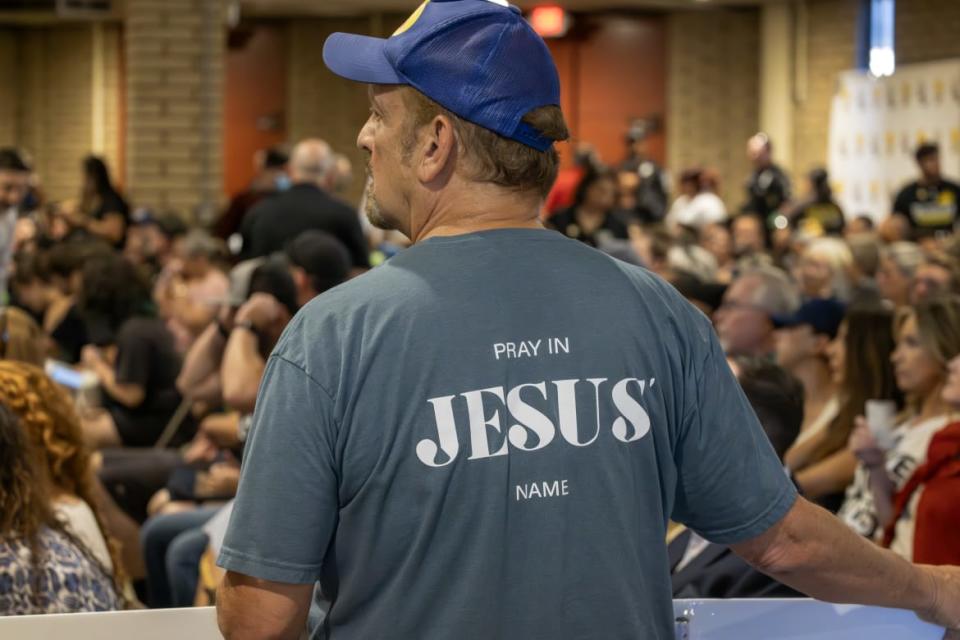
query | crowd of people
(134,343)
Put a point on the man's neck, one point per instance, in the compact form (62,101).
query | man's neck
(483,209)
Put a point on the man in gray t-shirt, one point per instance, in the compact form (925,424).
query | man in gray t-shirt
(486,436)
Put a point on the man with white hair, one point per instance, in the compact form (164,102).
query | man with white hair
(306,205)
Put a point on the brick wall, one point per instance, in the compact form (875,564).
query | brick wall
(321,104)
(174,82)
(713,93)
(9,78)
(927,30)
(54,123)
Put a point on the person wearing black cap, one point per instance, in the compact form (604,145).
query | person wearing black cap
(802,340)
(318,261)
(450,445)
(930,203)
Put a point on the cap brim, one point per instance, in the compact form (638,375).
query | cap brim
(359,58)
(784,322)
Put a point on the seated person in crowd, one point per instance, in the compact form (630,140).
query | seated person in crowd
(54,569)
(700,569)
(173,539)
(861,370)
(190,289)
(318,261)
(898,264)
(131,352)
(153,240)
(749,235)
(23,340)
(697,205)
(927,339)
(803,339)
(718,241)
(36,291)
(743,320)
(818,213)
(929,204)
(592,218)
(938,274)
(926,518)
(102,212)
(824,269)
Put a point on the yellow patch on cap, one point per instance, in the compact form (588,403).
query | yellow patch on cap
(412,20)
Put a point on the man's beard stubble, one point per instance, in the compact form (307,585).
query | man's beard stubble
(372,209)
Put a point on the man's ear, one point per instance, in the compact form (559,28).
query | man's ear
(438,147)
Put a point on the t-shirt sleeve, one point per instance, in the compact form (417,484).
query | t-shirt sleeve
(287,503)
(134,356)
(901,204)
(731,486)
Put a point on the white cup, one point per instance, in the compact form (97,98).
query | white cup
(881,419)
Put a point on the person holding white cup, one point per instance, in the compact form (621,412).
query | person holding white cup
(928,337)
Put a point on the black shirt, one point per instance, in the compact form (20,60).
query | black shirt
(767,190)
(70,336)
(827,215)
(146,357)
(929,208)
(113,202)
(276,220)
(614,226)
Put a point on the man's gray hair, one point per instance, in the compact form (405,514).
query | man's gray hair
(776,293)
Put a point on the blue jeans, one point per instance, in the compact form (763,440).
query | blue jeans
(172,547)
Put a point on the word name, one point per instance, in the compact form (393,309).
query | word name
(542,490)
(530,348)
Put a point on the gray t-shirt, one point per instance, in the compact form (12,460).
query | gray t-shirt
(485,438)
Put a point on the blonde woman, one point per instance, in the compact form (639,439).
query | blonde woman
(928,337)
(824,270)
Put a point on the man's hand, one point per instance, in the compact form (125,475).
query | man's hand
(262,310)
(91,357)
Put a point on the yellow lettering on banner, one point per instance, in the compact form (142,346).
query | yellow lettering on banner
(412,20)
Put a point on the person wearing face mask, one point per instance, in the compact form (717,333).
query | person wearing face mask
(928,337)
(14,185)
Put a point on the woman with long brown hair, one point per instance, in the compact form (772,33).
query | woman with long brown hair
(859,359)
(53,429)
(928,337)
(44,568)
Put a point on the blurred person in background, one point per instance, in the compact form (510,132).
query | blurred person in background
(928,337)
(926,518)
(697,205)
(56,310)
(929,204)
(647,181)
(744,322)
(802,340)
(190,289)
(859,359)
(53,569)
(14,185)
(342,174)
(824,270)
(865,249)
(306,205)
(23,339)
(718,241)
(818,213)
(749,236)
(564,188)
(898,265)
(47,417)
(593,218)
(860,224)
(154,239)
(270,178)
(768,189)
(318,262)
(938,274)
(131,352)
(102,212)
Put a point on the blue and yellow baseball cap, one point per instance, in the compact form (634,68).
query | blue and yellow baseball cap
(477,58)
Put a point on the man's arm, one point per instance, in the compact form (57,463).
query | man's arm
(202,360)
(242,370)
(816,554)
(261,610)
